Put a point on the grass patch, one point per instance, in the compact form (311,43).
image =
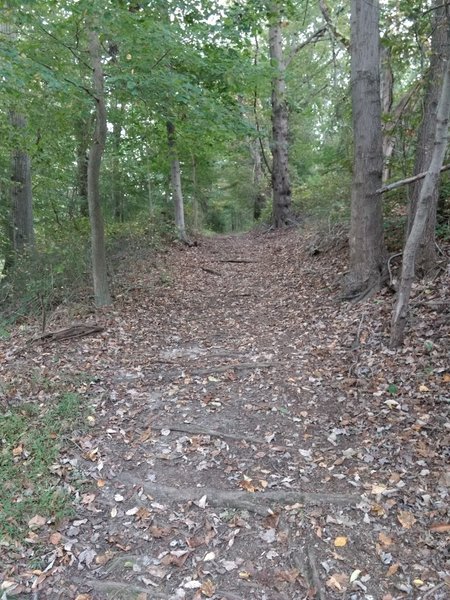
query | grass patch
(31,439)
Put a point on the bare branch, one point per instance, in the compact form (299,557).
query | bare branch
(402,182)
(340,37)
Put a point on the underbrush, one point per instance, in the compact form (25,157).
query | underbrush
(31,479)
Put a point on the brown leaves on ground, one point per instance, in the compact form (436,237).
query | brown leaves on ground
(279,386)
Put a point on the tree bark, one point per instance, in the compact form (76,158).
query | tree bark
(422,213)
(258,179)
(281,186)
(386,92)
(175,181)
(99,271)
(440,40)
(366,228)
(82,134)
(116,188)
(21,191)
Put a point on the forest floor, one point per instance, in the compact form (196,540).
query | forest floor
(248,435)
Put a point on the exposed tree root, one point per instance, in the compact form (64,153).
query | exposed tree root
(211,271)
(105,585)
(195,430)
(239,366)
(75,331)
(258,503)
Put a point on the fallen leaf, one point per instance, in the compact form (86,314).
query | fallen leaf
(384,539)
(55,538)
(208,589)
(36,522)
(339,542)
(354,576)
(406,519)
(393,569)
(338,582)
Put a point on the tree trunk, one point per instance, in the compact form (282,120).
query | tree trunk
(281,186)
(82,134)
(258,179)
(99,271)
(195,202)
(117,196)
(424,206)
(366,227)
(21,191)
(175,180)
(386,92)
(426,255)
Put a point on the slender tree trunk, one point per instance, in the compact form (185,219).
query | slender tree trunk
(195,203)
(366,227)
(82,134)
(175,180)
(281,186)
(424,206)
(117,196)
(258,179)
(21,191)
(99,271)
(440,40)
(386,91)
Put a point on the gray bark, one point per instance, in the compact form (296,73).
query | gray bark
(422,213)
(21,191)
(82,134)
(99,271)
(175,181)
(440,40)
(281,186)
(386,92)
(366,227)
(116,187)
(259,199)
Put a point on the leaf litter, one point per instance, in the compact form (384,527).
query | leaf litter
(249,436)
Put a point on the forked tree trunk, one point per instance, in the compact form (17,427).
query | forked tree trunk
(366,227)
(424,205)
(21,192)
(99,271)
(440,40)
(175,180)
(281,186)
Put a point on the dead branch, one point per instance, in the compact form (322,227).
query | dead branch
(237,260)
(402,182)
(74,331)
(119,586)
(211,271)
(257,503)
(239,366)
(214,433)
(340,37)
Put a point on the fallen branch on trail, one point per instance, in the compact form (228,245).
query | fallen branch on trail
(211,271)
(237,260)
(257,503)
(240,366)
(119,586)
(194,430)
(402,182)
(74,331)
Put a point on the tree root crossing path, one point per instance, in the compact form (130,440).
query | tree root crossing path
(250,436)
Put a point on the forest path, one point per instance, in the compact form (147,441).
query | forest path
(246,444)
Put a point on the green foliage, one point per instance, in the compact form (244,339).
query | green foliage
(31,439)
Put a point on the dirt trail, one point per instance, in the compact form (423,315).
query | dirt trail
(246,442)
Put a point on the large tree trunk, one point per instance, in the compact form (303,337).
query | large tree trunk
(424,206)
(175,180)
(366,227)
(21,192)
(281,186)
(440,40)
(99,271)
